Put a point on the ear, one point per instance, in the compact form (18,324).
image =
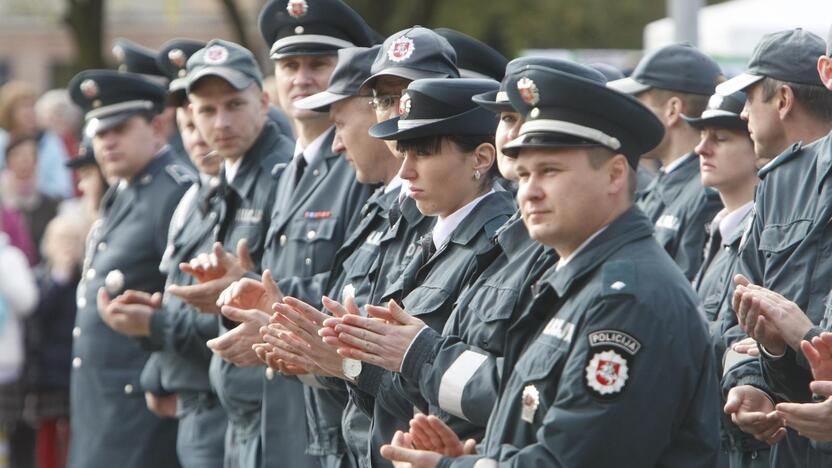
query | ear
(785,101)
(264,101)
(485,156)
(157,124)
(825,70)
(673,111)
(618,171)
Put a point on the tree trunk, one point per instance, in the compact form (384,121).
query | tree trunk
(238,24)
(85,19)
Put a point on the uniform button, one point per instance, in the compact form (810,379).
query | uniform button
(82,302)
(310,235)
(283,240)
(269,373)
(316,173)
(91,274)
(76,362)
(308,261)
(102,246)
(128,389)
(76,332)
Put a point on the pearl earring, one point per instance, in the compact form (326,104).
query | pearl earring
(477,174)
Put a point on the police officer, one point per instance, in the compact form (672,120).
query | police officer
(671,81)
(789,230)
(124,251)
(587,373)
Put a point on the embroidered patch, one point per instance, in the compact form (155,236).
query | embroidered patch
(609,361)
(668,222)
(249,215)
(401,49)
(560,329)
(216,54)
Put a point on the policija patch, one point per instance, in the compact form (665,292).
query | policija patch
(610,357)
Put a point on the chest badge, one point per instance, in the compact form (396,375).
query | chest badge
(531,400)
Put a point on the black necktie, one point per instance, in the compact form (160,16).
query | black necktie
(300,166)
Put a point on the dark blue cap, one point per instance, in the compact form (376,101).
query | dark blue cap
(136,58)
(414,54)
(722,112)
(439,107)
(474,58)
(570,106)
(312,27)
(789,56)
(610,72)
(232,62)
(172,59)
(353,68)
(85,156)
(677,67)
(109,97)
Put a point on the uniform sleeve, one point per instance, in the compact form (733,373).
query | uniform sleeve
(184,332)
(308,289)
(787,380)
(151,377)
(606,407)
(692,242)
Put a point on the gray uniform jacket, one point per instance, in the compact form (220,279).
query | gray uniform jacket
(431,285)
(619,371)
(787,250)
(242,209)
(680,209)
(309,225)
(459,370)
(111,425)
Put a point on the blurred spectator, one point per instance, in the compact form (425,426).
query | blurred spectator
(18,297)
(56,113)
(18,187)
(17,119)
(92,184)
(49,339)
(13,225)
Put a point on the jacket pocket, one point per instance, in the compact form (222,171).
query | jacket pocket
(779,238)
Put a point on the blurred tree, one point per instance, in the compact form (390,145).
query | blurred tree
(237,21)
(85,19)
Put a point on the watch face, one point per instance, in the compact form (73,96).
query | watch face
(351,367)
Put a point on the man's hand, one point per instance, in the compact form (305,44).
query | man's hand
(819,355)
(381,340)
(753,412)
(748,302)
(791,323)
(431,433)
(812,420)
(250,294)
(263,351)
(214,274)
(305,322)
(403,455)
(235,346)
(746,346)
(338,310)
(162,406)
(129,313)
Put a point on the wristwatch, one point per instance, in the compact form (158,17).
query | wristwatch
(351,368)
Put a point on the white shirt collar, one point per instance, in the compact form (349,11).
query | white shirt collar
(675,164)
(312,152)
(395,183)
(730,222)
(231,169)
(564,261)
(444,227)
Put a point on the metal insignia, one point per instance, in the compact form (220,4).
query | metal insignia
(89,88)
(297,8)
(216,54)
(405,105)
(401,49)
(299,30)
(114,282)
(178,58)
(618,285)
(528,91)
(530,400)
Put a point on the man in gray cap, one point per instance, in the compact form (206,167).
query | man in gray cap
(111,426)
(789,96)
(672,81)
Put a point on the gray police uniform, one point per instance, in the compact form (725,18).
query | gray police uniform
(578,394)
(309,225)
(680,208)
(459,370)
(786,251)
(111,425)
(178,333)
(242,207)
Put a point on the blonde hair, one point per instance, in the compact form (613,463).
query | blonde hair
(11,95)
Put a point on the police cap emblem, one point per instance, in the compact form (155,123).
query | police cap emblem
(216,54)
(405,104)
(401,49)
(528,91)
(89,88)
(297,8)
(178,58)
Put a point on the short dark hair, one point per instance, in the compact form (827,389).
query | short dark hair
(465,143)
(817,100)
(14,143)
(598,155)
(692,104)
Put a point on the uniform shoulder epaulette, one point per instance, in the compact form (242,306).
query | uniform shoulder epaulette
(181,175)
(491,227)
(618,278)
(791,153)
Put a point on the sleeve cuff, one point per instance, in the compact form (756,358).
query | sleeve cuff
(370,378)
(158,332)
(769,355)
(419,353)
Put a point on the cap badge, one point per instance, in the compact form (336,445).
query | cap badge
(607,372)
(177,57)
(405,104)
(297,8)
(89,88)
(118,53)
(528,91)
(715,102)
(216,54)
(531,400)
(401,49)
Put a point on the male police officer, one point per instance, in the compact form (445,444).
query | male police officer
(587,373)
(671,81)
(111,425)
(783,249)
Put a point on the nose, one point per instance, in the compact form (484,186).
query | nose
(744,113)
(703,148)
(529,190)
(338,143)
(223,119)
(407,171)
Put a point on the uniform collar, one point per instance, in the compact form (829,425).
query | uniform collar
(677,163)
(513,236)
(156,165)
(444,227)
(240,180)
(630,226)
(312,153)
(731,223)
(489,214)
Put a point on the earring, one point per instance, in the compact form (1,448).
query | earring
(477,174)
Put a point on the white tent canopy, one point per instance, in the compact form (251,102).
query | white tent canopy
(730,30)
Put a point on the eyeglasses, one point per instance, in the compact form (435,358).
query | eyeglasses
(385,102)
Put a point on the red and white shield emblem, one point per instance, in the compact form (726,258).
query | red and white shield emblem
(177,58)
(297,8)
(405,104)
(528,91)
(216,55)
(401,49)
(89,88)
(607,373)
